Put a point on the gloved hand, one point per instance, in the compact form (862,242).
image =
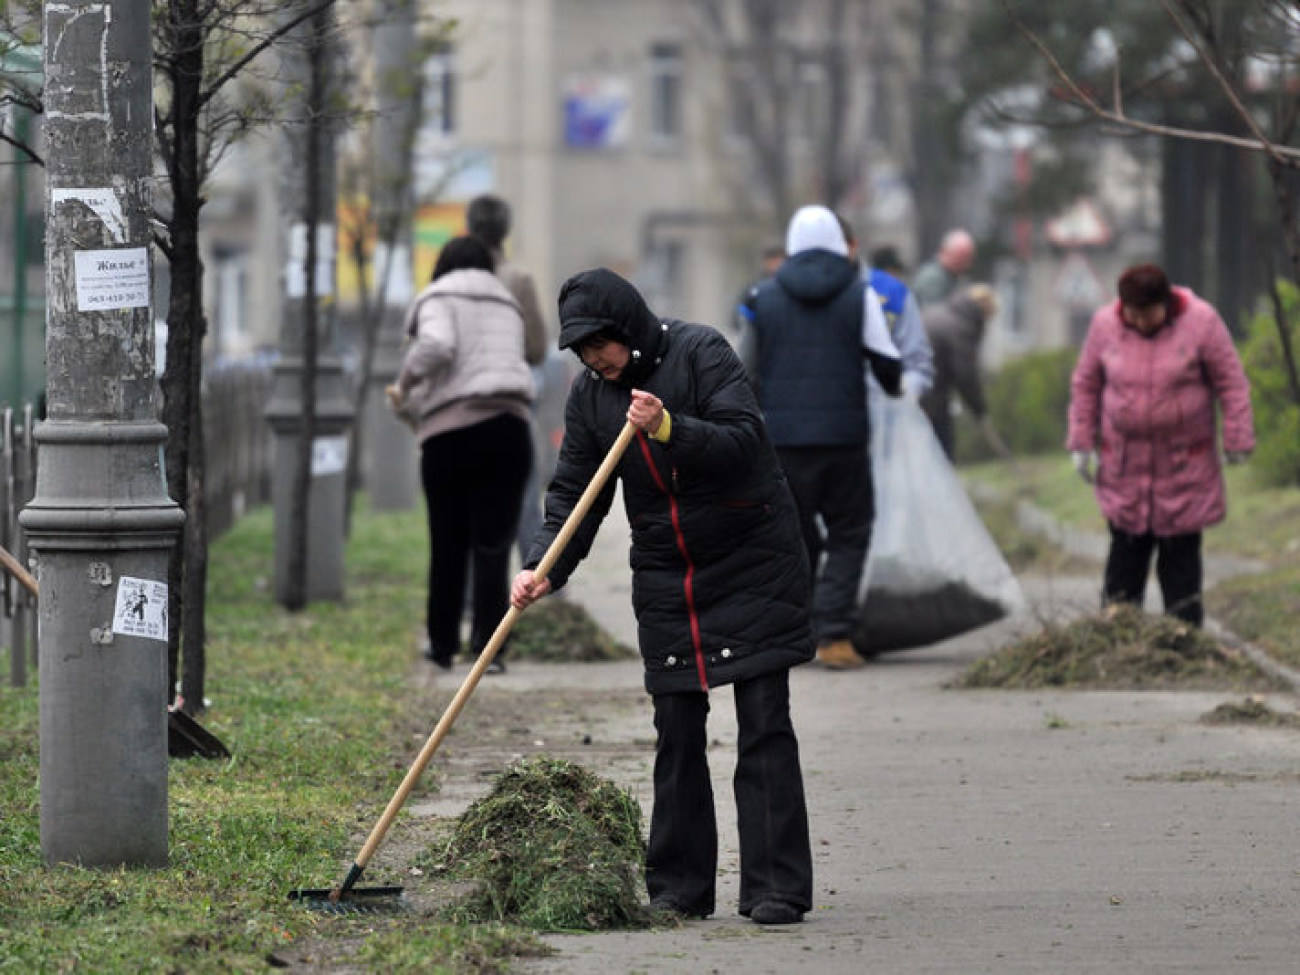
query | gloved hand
(1238,456)
(913,386)
(1085,462)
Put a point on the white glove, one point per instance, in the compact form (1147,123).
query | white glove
(913,386)
(1085,462)
(1238,456)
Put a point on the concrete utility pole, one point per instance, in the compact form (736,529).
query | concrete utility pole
(101,524)
(309,324)
(391,461)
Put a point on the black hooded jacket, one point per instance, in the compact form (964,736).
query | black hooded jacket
(720,583)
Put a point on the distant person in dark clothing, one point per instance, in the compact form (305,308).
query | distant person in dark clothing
(956,330)
(939,278)
(772,258)
(812,328)
(885,258)
(488,218)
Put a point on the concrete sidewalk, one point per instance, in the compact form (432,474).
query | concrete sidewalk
(980,831)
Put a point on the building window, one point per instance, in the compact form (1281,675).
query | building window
(440,91)
(664,277)
(665,92)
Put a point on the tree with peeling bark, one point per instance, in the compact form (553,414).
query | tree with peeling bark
(1240,61)
(206,59)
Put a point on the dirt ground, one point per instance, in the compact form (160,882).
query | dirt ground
(954,831)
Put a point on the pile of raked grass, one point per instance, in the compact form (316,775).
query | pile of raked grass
(1120,648)
(553,847)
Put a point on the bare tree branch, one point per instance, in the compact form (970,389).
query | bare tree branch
(214,87)
(21,147)
(1284,155)
(1211,63)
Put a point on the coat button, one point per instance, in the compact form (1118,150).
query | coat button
(671,661)
(726,651)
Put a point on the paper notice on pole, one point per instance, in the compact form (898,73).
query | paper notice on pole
(329,455)
(141,608)
(110,279)
(295,270)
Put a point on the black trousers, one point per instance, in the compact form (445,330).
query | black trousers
(473,484)
(835,483)
(775,854)
(1178,569)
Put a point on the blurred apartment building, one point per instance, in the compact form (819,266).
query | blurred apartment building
(670,140)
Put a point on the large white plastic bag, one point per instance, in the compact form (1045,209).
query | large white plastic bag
(932,571)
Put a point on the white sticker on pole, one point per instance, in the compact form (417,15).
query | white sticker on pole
(141,608)
(110,279)
(295,270)
(329,455)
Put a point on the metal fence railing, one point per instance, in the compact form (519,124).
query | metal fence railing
(237,454)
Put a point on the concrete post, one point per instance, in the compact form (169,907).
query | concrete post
(391,454)
(101,524)
(333,413)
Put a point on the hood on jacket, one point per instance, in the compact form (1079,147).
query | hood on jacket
(601,301)
(815,228)
(814,277)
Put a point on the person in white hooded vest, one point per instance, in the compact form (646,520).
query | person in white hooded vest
(812,326)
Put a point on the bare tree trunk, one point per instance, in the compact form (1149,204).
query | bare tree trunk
(296,594)
(185,322)
(195,545)
(929,183)
(1288,217)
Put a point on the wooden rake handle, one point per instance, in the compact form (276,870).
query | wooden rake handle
(493,645)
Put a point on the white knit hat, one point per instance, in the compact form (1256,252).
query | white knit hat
(815,228)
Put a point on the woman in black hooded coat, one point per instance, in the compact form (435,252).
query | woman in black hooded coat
(720,583)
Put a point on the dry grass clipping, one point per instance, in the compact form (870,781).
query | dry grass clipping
(1120,648)
(558,630)
(553,847)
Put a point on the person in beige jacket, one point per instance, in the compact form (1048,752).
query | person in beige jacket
(465,387)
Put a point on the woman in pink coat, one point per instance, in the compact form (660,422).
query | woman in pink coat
(1142,429)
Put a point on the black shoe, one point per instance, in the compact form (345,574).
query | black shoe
(441,662)
(497,666)
(775,912)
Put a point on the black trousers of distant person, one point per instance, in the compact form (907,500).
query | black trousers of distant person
(1178,569)
(835,483)
(473,481)
(771,814)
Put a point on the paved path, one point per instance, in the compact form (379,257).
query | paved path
(980,831)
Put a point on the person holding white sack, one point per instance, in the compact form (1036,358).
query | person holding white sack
(812,326)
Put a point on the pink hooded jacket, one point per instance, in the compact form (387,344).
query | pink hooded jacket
(1147,404)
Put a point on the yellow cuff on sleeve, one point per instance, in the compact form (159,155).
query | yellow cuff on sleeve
(665,429)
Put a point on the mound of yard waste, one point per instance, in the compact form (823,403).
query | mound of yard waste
(558,630)
(553,847)
(1120,648)
(1252,710)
